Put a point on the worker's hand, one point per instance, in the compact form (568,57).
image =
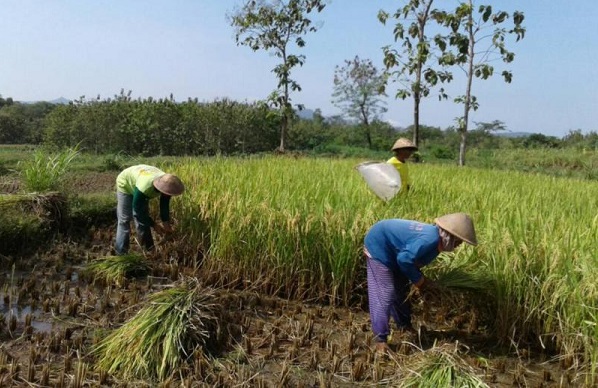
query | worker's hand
(421,284)
(431,289)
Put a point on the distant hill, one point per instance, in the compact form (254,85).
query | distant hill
(57,101)
(60,100)
(512,134)
(306,114)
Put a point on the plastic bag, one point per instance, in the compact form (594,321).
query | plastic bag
(382,178)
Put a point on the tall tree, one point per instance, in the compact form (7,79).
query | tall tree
(358,86)
(478,39)
(5,102)
(274,26)
(411,62)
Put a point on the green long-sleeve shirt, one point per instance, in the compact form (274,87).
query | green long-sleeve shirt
(141,208)
(138,181)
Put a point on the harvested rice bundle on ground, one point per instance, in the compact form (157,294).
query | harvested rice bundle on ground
(440,366)
(175,326)
(115,269)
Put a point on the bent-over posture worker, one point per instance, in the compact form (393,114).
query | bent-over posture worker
(135,186)
(395,251)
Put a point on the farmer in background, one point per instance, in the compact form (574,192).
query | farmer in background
(135,186)
(395,251)
(403,149)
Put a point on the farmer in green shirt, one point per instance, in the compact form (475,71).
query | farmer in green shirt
(403,149)
(135,186)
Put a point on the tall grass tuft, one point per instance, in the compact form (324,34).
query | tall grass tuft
(173,325)
(115,269)
(45,171)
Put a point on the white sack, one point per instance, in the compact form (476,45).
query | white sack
(382,178)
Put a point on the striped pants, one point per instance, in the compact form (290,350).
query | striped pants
(387,294)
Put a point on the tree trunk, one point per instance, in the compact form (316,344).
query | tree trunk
(462,147)
(283,129)
(416,101)
(285,106)
(467,105)
(366,124)
(422,19)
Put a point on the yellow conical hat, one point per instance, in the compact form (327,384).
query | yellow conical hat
(403,143)
(459,225)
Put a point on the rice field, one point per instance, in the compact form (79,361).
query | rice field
(295,227)
(267,263)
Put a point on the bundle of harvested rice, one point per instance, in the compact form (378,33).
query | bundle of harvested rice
(169,330)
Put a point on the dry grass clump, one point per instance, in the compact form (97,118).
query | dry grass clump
(29,220)
(173,327)
(51,205)
(115,269)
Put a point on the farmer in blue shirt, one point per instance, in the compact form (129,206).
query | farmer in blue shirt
(395,251)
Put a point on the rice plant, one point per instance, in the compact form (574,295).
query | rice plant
(45,171)
(295,227)
(115,269)
(165,334)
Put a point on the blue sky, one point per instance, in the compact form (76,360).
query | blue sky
(74,48)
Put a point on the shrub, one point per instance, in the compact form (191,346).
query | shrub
(45,171)
(441,152)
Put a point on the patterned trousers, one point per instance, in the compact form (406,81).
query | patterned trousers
(387,294)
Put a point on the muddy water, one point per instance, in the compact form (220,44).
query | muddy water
(21,313)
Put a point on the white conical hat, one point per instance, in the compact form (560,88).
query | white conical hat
(459,225)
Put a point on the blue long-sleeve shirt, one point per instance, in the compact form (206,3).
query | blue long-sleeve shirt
(403,245)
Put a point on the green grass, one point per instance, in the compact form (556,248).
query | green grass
(570,162)
(94,209)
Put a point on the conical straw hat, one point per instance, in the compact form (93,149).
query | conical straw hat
(403,143)
(169,184)
(459,225)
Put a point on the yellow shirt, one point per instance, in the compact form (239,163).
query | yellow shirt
(403,171)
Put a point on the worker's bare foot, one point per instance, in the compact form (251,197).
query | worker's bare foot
(382,348)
